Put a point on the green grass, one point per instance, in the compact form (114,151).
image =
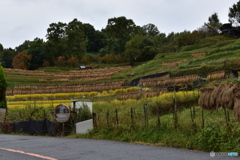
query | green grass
(17,79)
(188,134)
(56,69)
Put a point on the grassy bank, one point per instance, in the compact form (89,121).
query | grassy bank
(211,133)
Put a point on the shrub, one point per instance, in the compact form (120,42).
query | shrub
(3,88)
(165,102)
(72,62)
(217,137)
(61,61)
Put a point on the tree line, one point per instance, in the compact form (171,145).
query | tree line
(121,41)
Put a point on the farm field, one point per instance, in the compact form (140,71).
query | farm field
(136,104)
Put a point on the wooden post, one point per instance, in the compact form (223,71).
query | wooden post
(194,112)
(228,115)
(107,116)
(191,113)
(193,117)
(175,116)
(203,120)
(94,115)
(74,106)
(146,116)
(227,118)
(117,120)
(63,129)
(132,117)
(44,114)
(159,122)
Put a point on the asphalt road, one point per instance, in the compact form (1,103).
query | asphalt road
(16,147)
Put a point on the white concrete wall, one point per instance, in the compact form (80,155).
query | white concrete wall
(84,126)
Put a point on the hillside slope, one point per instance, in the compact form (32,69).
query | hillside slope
(209,55)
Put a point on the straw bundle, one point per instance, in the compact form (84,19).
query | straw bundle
(222,89)
(216,75)
(207,98)
(204,99)
(201,96)
(236,91)
(236,108)
(215,95)
(9,92)
(228,96)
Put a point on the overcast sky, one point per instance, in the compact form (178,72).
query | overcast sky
(22,20)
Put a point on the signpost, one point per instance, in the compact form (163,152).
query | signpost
(62,113)
(2,114)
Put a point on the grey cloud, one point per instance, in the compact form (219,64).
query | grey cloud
(26,19)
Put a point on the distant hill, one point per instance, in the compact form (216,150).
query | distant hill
(209,55)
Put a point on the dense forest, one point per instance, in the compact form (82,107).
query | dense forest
(121,41)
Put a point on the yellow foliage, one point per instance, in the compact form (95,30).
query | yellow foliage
(92,93)
(45,103)
(69,95)
(131,89)
(104,93)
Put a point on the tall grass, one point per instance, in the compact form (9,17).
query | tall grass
(215,136)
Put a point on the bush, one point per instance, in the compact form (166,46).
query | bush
(217,137)
(164,103)
(83,114)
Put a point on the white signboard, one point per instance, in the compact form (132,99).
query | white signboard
(80,104)
(84,126)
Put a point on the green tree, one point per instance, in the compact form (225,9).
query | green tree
(150,30)
(234,14)
(56,31)
(160,39)
(148,49)
(94,39)
(99,41)
(38,52)
(132,51)
(171,38)
(56,44)
(203,31)
(35,48)
(89,35)
(185,38)
(6,57)
(76,44)
(119,31)
(148,53)
(3,88)
(213,25)
(23,47)
(1,48)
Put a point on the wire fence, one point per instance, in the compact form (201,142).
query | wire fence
(143,118)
